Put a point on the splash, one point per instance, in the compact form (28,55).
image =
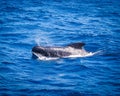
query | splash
(37,41)
(42,39)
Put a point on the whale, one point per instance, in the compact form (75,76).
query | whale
(73,49)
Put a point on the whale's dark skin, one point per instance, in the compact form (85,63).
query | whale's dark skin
(50,52)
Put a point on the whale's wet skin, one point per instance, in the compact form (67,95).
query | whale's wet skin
(72,50)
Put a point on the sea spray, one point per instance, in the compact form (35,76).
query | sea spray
(43,39)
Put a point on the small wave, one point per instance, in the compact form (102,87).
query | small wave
(6,69)
(45,92)
(6,62)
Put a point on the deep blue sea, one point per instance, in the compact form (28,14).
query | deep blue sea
(26,23)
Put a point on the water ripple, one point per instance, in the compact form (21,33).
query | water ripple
(26,23)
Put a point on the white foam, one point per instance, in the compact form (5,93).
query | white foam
(83,55)
(41,57)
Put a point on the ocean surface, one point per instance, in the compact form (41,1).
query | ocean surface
(27,23)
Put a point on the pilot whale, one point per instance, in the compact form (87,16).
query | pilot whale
(74,49)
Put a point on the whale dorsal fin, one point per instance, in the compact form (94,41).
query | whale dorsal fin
(78,45)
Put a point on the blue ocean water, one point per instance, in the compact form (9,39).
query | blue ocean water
(26,23)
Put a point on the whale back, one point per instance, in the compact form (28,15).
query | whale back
(78,45)
(49,52)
